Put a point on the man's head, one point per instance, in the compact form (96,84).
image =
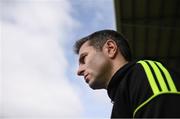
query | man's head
(98,39)
(100,54)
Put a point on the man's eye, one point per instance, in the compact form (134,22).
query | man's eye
(82,59)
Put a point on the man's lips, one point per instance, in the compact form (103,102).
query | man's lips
(86,78)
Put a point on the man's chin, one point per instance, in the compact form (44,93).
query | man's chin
(92,86)
(95,86)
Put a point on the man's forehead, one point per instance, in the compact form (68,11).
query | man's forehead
(84,48)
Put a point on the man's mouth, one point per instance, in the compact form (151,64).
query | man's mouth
(86,78)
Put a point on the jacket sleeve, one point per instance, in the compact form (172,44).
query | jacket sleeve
(149,96)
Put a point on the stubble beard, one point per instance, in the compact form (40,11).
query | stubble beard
(101,81)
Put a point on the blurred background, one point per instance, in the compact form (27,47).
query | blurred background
(38,67)
(152,28)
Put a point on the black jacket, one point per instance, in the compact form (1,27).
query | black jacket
(144,89)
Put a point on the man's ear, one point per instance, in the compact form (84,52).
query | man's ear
(110,48)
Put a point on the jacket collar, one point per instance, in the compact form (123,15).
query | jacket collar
(117,78)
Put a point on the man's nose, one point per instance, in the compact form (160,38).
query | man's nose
(80,71)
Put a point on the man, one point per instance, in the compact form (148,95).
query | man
(142,88)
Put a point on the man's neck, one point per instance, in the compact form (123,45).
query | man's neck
(116,65)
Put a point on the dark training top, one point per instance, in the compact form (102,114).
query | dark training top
(145,89)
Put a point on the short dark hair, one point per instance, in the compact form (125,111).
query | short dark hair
(98,39)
